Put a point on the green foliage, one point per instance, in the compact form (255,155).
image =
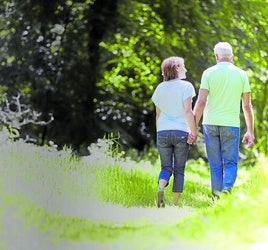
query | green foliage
(184,27)
(113,142)
(95,64)
(149,154)
(132,67)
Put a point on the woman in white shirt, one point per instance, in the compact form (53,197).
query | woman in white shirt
(175,124)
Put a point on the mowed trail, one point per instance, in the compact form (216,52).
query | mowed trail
(17,234)
(100,212)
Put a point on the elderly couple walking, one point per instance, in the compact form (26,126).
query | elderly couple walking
(223,87)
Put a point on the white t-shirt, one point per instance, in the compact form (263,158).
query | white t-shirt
(169,97)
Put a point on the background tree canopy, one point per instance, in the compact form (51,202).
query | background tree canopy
(94,64)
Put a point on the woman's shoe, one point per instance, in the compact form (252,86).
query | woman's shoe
(160,199)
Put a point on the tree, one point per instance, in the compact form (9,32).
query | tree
(95,64)
(52,57)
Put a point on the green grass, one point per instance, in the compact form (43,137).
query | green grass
(62,196)
(237,219)
(128,188)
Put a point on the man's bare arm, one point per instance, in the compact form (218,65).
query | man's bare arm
(200,105)
(249,118)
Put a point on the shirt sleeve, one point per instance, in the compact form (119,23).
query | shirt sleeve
(246,86)
(154,97)
(204,81)
(190,92)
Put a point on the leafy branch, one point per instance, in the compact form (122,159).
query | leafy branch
(14,114)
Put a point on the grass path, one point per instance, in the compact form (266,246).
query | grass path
(46,202)
(19,233)
(133,228)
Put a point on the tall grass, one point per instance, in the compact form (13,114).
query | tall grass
(71,200)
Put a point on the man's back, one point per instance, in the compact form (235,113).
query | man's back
(225,84)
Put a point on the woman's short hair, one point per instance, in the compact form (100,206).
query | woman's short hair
(169,67)
(223,50)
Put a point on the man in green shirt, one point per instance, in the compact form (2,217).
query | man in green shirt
(223,86)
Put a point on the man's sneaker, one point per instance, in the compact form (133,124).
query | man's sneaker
(160,199)
(226,191)
(214,198)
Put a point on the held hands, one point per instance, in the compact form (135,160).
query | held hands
(249,138)
(191,138)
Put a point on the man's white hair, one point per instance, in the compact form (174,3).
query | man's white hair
(223,50)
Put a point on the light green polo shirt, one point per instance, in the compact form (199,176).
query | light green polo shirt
(225,84)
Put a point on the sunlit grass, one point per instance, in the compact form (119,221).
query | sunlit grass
(91,201)
(128,188)
(239,219)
